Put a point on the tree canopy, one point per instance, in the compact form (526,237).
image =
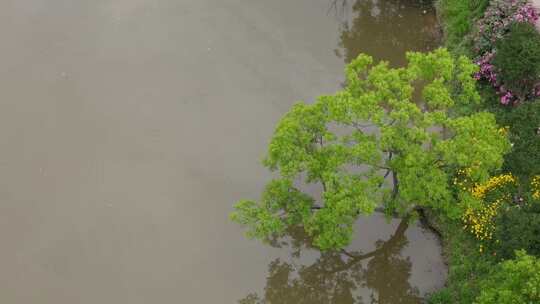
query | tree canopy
(392,138)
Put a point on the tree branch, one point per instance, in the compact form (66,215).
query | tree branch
(359,127)
(388,170)
(395,190)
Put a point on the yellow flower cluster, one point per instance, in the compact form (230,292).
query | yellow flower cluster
(462,179)
(504,130)
(535,185)
(480,191)
(480,222)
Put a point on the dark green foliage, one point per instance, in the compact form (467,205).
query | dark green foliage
(518,228)
(443,296)
(517,59)
(524,121)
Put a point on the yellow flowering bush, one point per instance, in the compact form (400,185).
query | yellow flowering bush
(535,187)
(480,191)
(480,221)
(504,130)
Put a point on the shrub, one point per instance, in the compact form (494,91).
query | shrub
(535,188)
(524,122)
(517,228)
(517,60)
(443,296)
(513,281)
(496,22)
(494,196)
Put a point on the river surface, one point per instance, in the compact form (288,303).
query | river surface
(128,128)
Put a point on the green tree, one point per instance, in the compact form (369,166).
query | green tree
(371,145)
(513,281)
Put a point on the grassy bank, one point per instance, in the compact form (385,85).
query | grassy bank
(458,18)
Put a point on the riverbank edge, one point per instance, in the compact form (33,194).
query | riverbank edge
(457,248)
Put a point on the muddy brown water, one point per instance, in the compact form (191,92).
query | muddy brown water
(128,128)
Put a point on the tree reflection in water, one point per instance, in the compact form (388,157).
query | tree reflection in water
(387,29)
(341,277)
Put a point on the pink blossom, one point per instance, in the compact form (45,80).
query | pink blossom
(506,98)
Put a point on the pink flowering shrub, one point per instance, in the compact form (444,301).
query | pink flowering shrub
(497,20)
(494,25)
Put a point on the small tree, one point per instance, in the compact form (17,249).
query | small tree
(518,60)
(350,142)
(524,133)
(513,281)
